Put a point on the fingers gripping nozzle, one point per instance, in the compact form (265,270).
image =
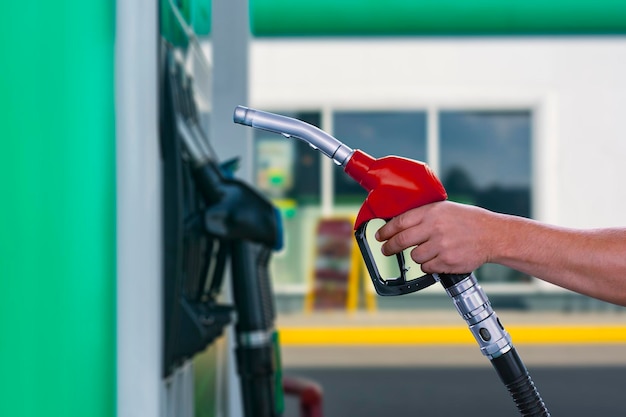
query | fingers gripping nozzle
(395,286)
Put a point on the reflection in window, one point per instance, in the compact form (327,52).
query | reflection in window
(486,161)
(287,168)
(379,134)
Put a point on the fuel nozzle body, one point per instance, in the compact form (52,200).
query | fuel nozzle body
(394,185)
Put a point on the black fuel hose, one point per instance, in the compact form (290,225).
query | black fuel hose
(517,380)
(495,342)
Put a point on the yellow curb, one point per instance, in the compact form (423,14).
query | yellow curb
(342,336)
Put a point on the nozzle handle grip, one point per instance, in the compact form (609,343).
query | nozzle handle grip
(389,287)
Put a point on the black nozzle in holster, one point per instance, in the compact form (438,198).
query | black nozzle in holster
(193,261)
(249,225)
(230,217)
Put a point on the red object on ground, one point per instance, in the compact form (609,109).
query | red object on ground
(309,392)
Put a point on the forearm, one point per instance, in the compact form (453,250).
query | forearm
(591,262)
(453,238)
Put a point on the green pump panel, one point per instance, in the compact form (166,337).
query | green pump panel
(57,210)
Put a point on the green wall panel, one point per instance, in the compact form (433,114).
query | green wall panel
(57,209)
(437,17)
(270,18)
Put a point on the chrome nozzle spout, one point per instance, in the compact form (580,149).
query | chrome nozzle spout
(288,126)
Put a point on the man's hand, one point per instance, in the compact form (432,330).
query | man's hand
(449,237)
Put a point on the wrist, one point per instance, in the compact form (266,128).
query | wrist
(502,233)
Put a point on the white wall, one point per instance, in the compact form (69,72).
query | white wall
(577,87)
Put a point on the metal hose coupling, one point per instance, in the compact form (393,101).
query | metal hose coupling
(473,305)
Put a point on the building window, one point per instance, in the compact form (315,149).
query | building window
(485,160)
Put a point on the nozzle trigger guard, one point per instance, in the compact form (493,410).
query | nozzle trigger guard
(394,286)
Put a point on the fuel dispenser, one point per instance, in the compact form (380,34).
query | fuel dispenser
(213,219)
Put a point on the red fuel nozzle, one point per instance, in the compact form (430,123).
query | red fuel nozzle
(394,185)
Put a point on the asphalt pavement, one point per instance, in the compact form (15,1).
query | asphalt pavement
(454,379)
